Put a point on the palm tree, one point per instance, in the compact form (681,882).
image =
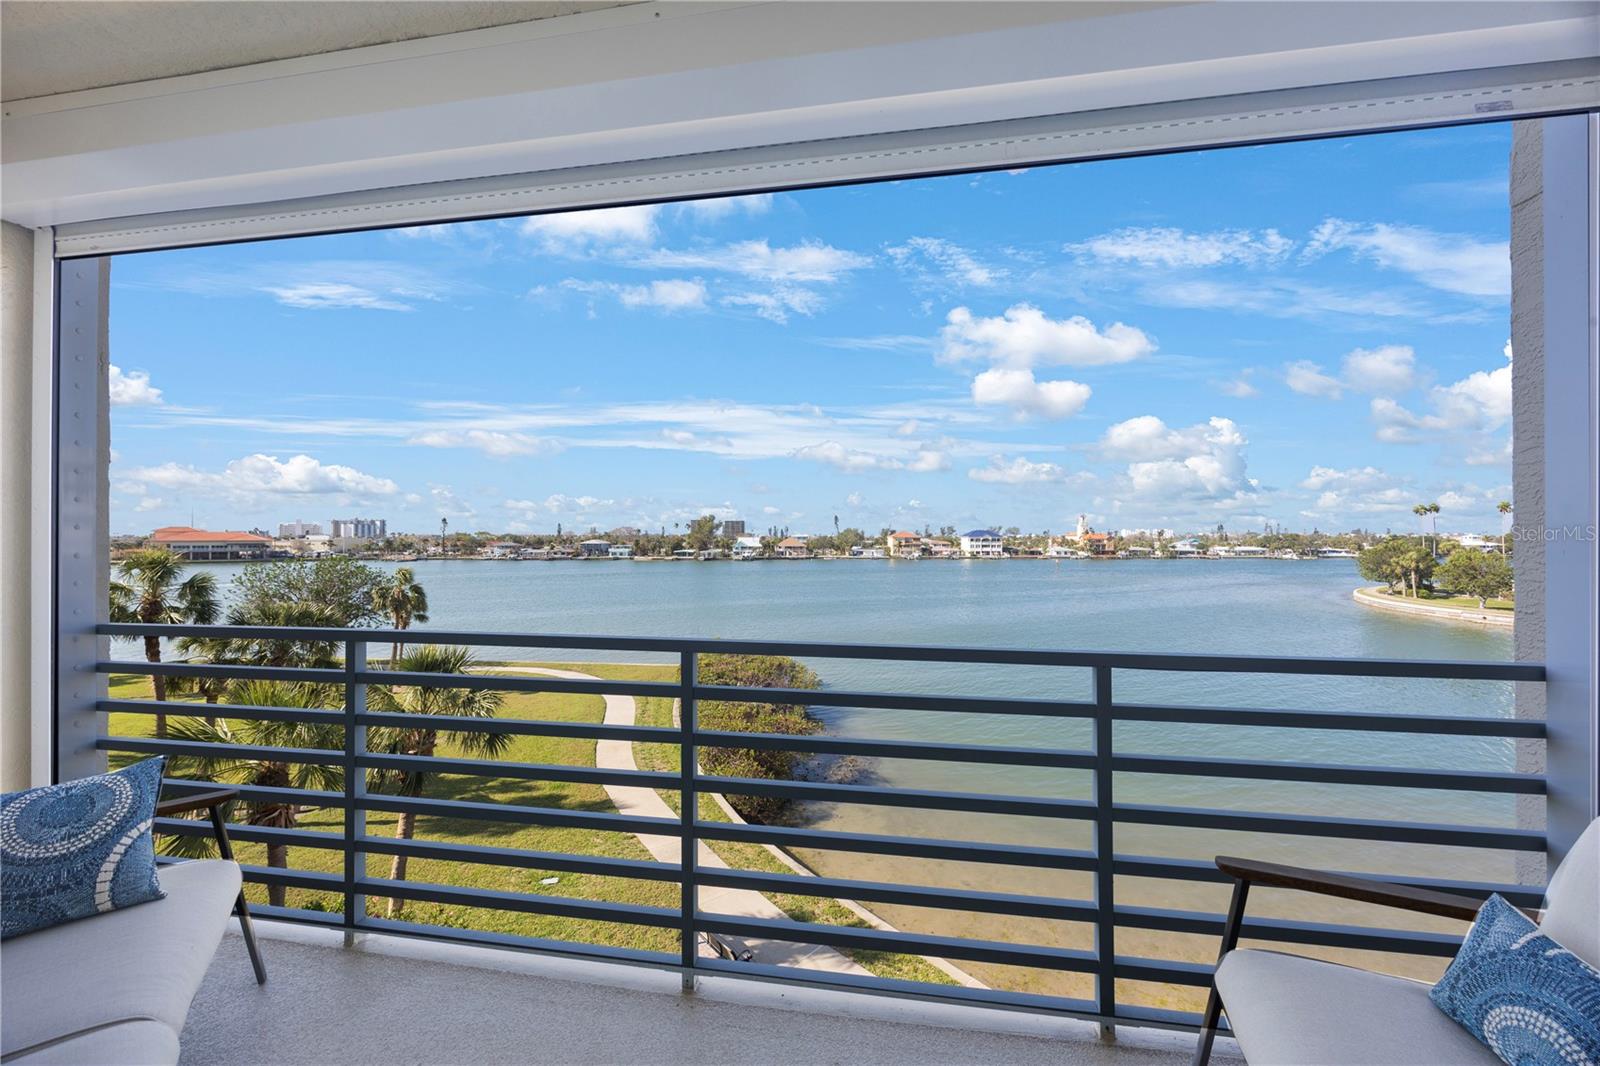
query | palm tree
(150,590)
(1428,510)
(262,773)
(280,651)
(404,601)
(424,741)
(1504,509)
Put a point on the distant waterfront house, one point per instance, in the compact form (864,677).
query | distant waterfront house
(904,545)
(935,548)
(982,544)
(1097,543)
(746,547)
(202,545)
(1248,551)
(1476,543)
(620,551)
(1061,551)
(500,549)
(793,548)
(1185,549)
(862,551)
(594,549)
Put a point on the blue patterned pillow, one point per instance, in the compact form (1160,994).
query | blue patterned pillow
(1531,1000)
(77,849)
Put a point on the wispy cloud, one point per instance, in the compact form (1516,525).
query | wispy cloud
(1451,262)
(1168,246)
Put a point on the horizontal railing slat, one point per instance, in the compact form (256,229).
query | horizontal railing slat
(1393,777)
(1040,807)
(1021,906)
(447,851)
(197,749)
(903,846)
(1263,664)
(1205,870)
(300,797)
(523,771)
(561,906)
(899,749)
(900,701)
(227,671)
(174,709)
(1321,826)
(1293,932)
(506,812)
(517,683)
(1433,724)
(521,727)
(994,951)
(254,834)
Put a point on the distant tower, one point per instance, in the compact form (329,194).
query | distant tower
(444,524)
(1083,525)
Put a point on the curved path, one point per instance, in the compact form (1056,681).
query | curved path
(637,801)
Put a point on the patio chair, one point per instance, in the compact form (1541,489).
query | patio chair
(1286,1010)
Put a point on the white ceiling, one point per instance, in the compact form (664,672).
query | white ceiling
(58,46)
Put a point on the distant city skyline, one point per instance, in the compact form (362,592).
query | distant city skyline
(1303,335)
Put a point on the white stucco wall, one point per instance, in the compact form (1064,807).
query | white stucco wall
(1527,449)
(16,399)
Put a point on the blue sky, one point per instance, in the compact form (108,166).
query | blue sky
(1309,334)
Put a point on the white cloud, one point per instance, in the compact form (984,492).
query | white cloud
(1446,261)
(449,505)
(148,503)
(931,259)
(719,208)
(1171,465)
(675,294)
(1019,471)
(1284,298)
(808,261)
(1389,369)
(333,284)
(855,499)
(666,294)
(852,460)
(576,231)
(132,388)
(255,476)
(1167,246)
(1477,404)
(778,304)
(1239,388)
(494,443)
(1017,390)
(1307,378)
(1023,337)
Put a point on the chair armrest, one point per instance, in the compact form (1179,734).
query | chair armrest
(1362,889)
(199,801)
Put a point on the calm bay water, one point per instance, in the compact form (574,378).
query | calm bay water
(1243,607)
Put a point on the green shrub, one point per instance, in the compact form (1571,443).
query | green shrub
(789,719)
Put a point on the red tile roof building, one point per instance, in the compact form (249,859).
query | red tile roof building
(204,545)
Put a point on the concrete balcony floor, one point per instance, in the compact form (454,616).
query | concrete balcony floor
(389,1001)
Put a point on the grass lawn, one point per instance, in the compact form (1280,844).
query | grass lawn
(1470,603)
(560,750)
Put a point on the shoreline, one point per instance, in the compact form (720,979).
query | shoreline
(1370,596)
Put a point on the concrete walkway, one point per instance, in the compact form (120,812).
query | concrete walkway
(636,801)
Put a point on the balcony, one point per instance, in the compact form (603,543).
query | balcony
(1085,949)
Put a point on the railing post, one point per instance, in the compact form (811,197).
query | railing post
(689,800)
(1105,893)
(355,785)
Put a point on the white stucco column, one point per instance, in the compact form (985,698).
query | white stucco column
(16,491)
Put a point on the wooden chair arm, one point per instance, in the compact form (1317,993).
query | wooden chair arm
(1361,889)
(199,801)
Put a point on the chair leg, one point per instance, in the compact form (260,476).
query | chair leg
(241,908)
(1230,938)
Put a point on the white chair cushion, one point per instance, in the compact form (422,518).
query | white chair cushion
(141,963)
(139,1043)
(1572,902)
(1292,1011)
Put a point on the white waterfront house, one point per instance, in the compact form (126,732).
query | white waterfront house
(1185,549)
(620,551)
(982,544)
(594,549)
(1476,543)
(746,547)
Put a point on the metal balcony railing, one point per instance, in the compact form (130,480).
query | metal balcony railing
(1104,812)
